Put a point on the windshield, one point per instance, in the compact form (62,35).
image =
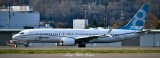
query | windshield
(21,33)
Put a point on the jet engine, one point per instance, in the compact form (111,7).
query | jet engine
(65,41)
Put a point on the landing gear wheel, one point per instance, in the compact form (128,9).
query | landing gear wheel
(27,44)
(81,45)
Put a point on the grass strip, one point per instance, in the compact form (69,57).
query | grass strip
(10,51)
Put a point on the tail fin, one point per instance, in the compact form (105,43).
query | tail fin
(138,21)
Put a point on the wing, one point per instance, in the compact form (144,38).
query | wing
(86,39)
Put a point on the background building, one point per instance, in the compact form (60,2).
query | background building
(151,39)
(79,23)
(20,17)
(17,8)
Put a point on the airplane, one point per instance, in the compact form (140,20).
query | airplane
(79,37)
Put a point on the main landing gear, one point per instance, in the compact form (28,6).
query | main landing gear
(81,45)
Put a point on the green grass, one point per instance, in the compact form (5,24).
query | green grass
(10,51)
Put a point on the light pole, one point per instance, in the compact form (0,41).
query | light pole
(9,3)
(122,16)
(9,17)
(105,9)
(85,14)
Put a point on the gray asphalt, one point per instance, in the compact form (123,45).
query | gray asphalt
(84,55)
(74,47)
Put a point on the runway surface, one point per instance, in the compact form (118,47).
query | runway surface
(74,47)
(82,55)
(67,55)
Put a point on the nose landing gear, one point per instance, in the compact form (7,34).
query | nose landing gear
(27,44)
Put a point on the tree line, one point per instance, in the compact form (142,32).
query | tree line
(62,12)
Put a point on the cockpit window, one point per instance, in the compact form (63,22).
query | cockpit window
(21,33)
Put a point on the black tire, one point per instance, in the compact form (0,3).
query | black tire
(84,45)
(81,45)
(27,44)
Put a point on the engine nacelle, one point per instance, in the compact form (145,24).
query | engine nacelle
(65,41)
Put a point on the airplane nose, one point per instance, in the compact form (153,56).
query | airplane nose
(14,37)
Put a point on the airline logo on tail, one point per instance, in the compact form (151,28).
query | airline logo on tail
(138,21)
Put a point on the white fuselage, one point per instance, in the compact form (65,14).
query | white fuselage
(55,35)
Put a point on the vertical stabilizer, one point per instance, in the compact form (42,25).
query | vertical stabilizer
(138,21)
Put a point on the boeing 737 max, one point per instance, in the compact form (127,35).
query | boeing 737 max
(72,37)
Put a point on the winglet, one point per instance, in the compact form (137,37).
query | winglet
(109,31)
